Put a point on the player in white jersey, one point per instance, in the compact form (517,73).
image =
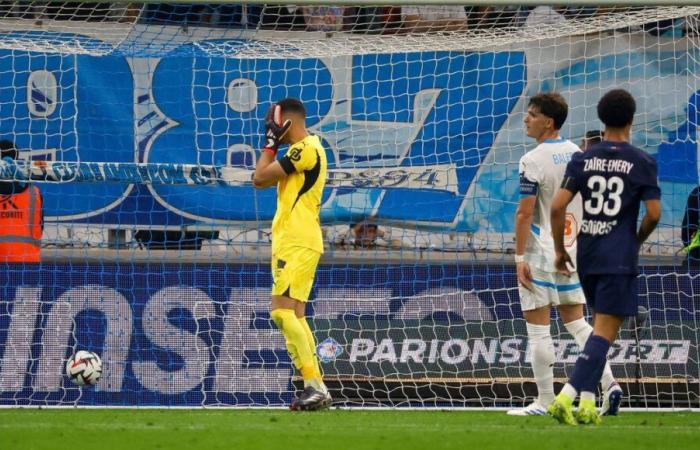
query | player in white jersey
(540,286)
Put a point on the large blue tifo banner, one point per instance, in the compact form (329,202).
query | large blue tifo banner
(188,335)
(423,110)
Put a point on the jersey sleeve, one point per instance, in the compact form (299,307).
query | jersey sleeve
(573,174)
(529,177)
(298,159)
(648,181)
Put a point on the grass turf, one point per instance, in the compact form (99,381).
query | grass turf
(28,429)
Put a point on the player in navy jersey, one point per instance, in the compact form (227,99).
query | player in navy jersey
(613,178)
(539,285)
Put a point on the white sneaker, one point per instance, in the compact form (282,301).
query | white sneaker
(533,409)
(611,400)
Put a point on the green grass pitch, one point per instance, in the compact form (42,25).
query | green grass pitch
(103,429)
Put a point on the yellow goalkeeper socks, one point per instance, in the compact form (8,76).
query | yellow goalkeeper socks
(315,383)
(297,343)
(309,336)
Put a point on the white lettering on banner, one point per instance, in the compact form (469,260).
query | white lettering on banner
(415,355)
(193,349)
(508,351)
(17,352)
(239,336)
(116,311)
(361,348)
(442,177)
(432,357)
(450,356)
(480,350)
(385,352)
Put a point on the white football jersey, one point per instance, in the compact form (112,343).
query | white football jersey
(541,173)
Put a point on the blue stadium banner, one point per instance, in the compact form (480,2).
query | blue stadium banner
(433,109)
(200,334)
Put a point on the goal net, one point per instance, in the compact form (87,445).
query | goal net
(140,125)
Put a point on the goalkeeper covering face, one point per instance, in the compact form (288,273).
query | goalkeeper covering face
(297,244)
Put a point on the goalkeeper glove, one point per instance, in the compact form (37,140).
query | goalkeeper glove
(694,242)
(274,129)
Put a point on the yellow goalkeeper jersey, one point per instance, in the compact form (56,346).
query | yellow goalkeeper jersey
(297,222)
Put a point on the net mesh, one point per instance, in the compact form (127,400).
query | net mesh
(140,124)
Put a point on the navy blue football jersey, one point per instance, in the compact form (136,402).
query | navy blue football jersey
(613,179)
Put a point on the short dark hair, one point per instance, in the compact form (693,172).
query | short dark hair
(594,136)
(8,149)
(616,108)
(292,105)
(552,105)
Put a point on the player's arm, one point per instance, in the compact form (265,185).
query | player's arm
(650,220)
(691,218)
(564,196)
(523,219)
(651,196)
(268,171)
(558,217)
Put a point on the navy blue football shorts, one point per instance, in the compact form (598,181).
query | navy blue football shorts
(611,294)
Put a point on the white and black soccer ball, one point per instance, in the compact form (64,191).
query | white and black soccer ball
(84,368)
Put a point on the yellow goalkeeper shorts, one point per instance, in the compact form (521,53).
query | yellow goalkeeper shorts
(293,272)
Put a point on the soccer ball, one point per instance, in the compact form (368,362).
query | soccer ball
(84,368)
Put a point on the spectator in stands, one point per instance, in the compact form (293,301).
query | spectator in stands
(176,14)
(321,18)
(236,16)
(690,227)
(21,216)
(362,235)
(283,18)
(375,19)
(300,18)
(545,15)
(420,19)
(590,139)
(495,16)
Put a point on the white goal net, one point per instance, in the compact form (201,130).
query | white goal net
(140,125)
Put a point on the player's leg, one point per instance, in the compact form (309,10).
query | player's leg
(536,311)
(301,316)
(283,313)
(571,301)
(321,387)
(614,297)
(562,406)
(293,271)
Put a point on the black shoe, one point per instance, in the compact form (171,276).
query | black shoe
(311,400)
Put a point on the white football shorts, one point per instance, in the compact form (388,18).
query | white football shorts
(551,289)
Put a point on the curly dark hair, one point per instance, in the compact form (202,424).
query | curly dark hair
(616,108)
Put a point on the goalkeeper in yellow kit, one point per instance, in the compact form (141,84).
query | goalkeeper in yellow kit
(297,243)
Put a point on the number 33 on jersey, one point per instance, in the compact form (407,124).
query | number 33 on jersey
(612,178)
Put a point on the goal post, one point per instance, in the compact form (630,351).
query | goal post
(141,123)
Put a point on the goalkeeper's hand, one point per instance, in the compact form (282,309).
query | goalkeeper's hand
(275,129)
